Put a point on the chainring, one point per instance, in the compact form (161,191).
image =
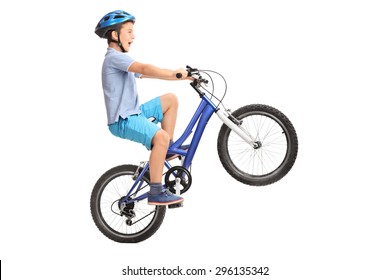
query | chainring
(180,175)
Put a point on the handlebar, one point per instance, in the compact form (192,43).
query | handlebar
(194,73)
(198,83)
(197,78)
(190,71)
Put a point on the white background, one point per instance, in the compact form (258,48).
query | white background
(325,64)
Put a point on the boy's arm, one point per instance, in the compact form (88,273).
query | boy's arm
(151,71)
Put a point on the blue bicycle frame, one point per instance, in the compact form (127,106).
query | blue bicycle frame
(201,117)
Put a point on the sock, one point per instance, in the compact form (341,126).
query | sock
(156,188)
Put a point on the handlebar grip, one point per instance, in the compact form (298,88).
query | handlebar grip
(189,73)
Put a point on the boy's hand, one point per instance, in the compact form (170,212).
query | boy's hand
(181,74)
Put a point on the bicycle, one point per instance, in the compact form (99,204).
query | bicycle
(257,145)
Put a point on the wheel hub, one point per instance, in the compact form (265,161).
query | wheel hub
(257,145)
(126,209)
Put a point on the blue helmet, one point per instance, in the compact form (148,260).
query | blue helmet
(111,21)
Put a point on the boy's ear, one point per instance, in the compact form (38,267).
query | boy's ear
(114,35)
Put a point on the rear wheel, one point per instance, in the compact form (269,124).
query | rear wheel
(129,223)
(277,146)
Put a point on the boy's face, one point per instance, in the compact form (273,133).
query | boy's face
(127,35)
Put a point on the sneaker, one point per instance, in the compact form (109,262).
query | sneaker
(164,198)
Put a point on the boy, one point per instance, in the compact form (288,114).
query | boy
(126,118)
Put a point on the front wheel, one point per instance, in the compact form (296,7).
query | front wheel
(277,146)
(136,221)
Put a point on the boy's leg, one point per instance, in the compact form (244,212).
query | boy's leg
(160,143)
(169,104)
(157,156)
(158,195)
(164,110)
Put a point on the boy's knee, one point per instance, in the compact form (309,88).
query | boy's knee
(161,138)
(172,99)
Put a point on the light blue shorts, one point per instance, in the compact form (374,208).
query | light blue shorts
(139,128)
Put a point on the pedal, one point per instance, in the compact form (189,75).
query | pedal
(176,205)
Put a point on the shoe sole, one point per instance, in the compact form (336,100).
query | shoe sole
(166,203)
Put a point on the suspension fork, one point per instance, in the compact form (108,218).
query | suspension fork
(235,125)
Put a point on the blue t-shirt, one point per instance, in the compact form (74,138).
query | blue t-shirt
(119,86)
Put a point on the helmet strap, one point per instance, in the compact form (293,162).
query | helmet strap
(119,42)
(120,45)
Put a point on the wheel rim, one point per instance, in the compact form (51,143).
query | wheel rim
(114,189)
(266,159)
